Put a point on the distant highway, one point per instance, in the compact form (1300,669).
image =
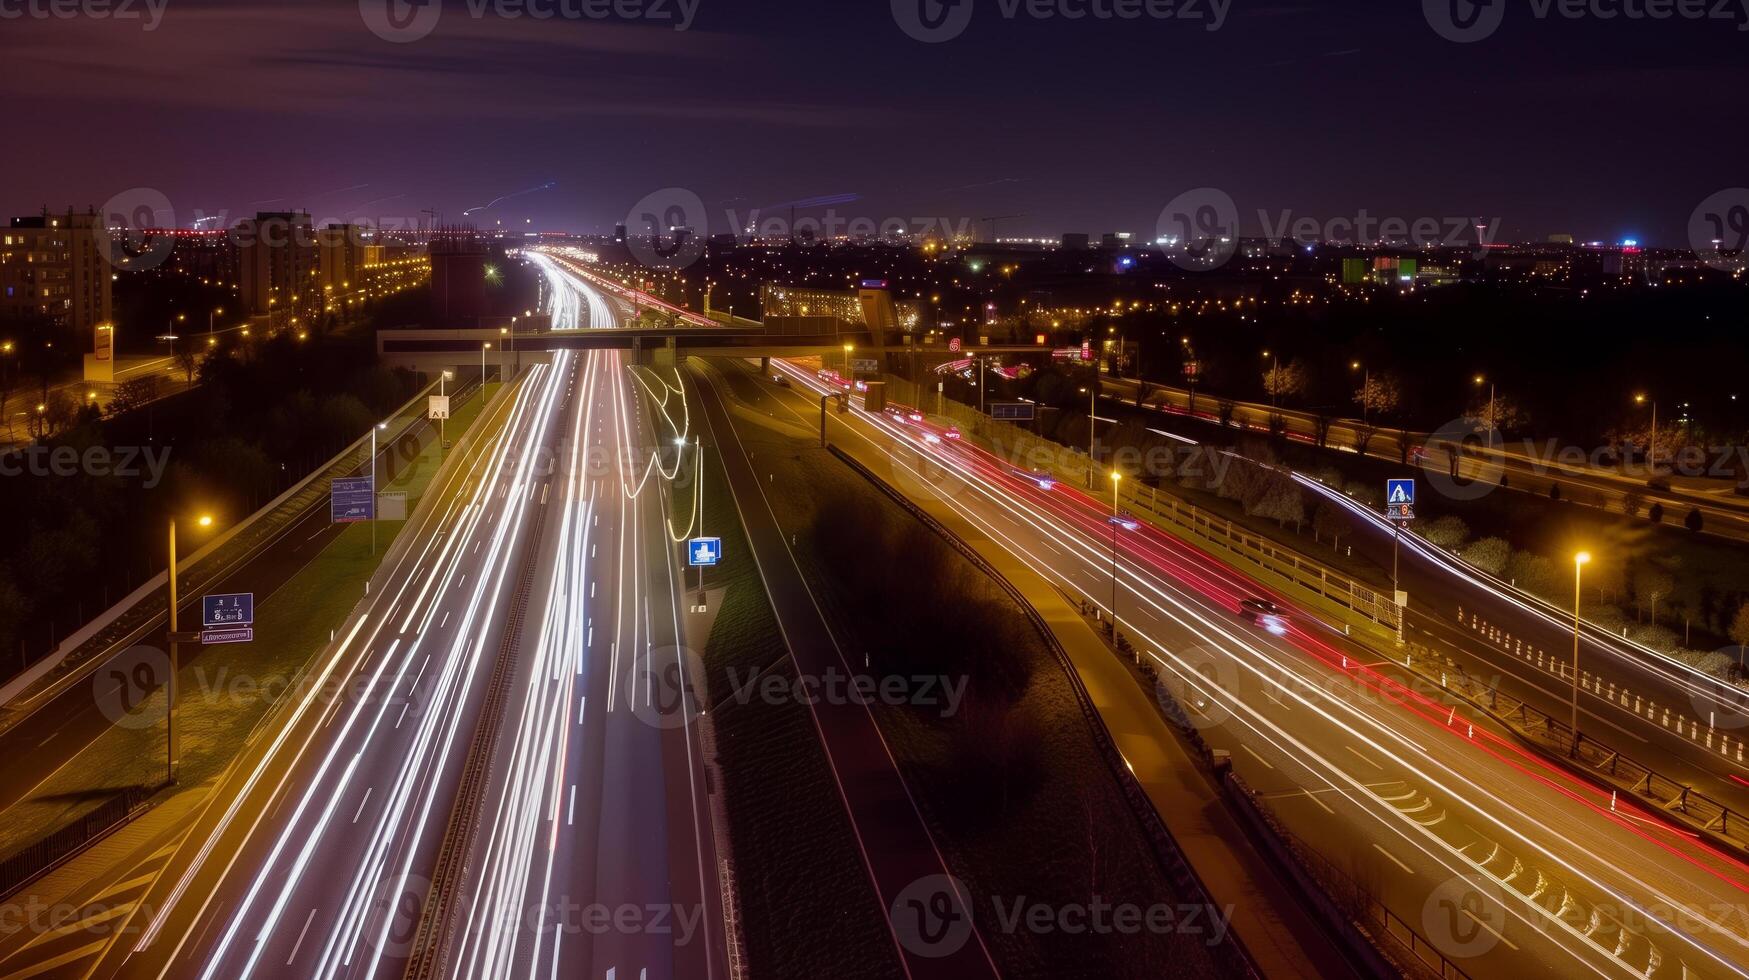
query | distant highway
(1406,792)
(1725,515)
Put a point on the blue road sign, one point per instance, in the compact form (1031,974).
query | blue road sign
(227,610)
(704,551)
(1398,492)
(353,500)
(1012,411)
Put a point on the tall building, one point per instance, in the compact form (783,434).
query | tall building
(54,266)
(341,257)
(278,267)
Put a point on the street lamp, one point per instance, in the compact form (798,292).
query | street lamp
(508,341)
(443,423)
(483,349)
(203,521)
(1274,378)
(1365,391)
(1652,450)
(1580,560)
(1116,481)
(379,427)
(847,349)
(1491,423)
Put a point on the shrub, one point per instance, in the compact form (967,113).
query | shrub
(1448,532)
(1489,554)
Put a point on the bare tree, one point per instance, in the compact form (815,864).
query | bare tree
(187,356)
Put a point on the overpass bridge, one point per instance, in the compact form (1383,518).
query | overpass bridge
(435,350)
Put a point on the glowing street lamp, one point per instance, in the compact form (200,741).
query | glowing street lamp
(1116,481)
(1580,560)
(203,522)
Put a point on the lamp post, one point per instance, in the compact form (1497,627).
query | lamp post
(170,685)
(1652,449)
(1274,379)
(379,427)
(504,334)
(1116,481)
(1365,391)
(442,423)
(1492,425)
(1579,562)
(483,349)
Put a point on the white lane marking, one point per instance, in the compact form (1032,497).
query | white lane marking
(297,945)
(1254,755)
(1393,858)
(1314,798)
(361,803)
(571,810)
(445,620)
(1363,758)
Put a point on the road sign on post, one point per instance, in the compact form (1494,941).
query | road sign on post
(1012,411)
(236,609)
(704,552)
(438,406)
(352,500)
(865,365)
(1400,500)
(243,634)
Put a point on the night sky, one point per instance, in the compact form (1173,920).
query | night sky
(1605,129)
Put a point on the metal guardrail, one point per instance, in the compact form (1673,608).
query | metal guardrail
(50,852)
(1234,956)
(1406,949)
(1025,449)
(1591,757)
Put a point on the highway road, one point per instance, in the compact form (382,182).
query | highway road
(1725,514)
(316,852)
(46,731)
(1513,866)
(596,856)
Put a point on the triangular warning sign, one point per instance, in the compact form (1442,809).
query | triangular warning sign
(1400,493)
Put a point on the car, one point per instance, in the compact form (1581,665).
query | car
(951,432)
(1262,612)
(781,380)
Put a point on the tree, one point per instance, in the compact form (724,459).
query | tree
(1632,502)
(1740,630)
(1321,430)
(1693,521)
(1381,394)
(187,355)
(1507,413)
(1489,554)
(1363,436)
(1286,380)
(1653,582)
